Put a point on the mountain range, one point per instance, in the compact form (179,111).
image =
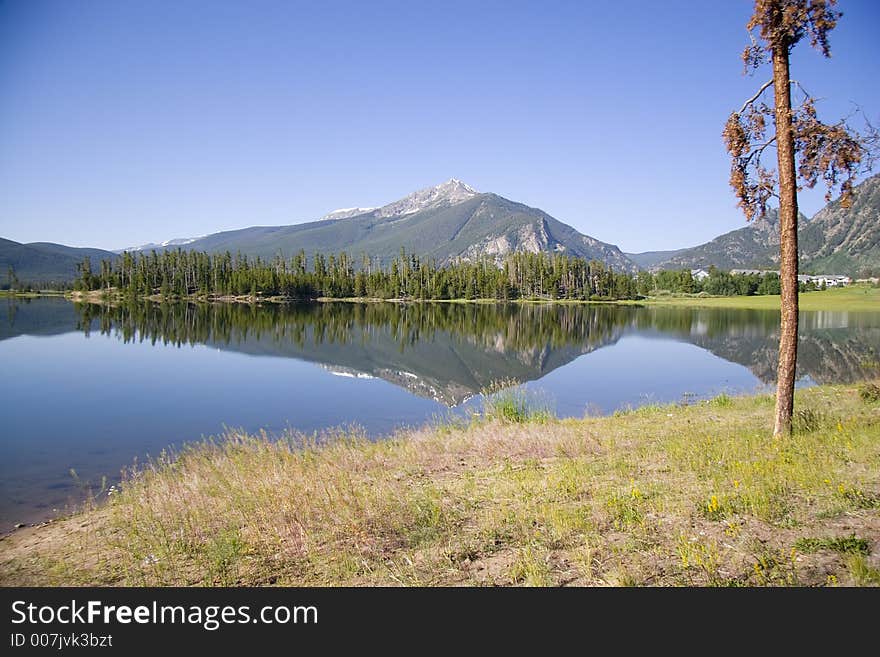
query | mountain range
(454,221)
(45,262)
(445,223)
(836,240)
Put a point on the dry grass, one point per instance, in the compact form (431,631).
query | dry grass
(695,495)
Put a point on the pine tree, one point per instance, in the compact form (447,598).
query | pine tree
(806,150)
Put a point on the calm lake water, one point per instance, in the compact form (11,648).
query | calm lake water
(91,389)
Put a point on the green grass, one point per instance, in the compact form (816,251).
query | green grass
(870,392)
(844,545)
(514,404)
(668,495)
(853,298)
(863,574)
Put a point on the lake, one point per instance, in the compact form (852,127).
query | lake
(88,390)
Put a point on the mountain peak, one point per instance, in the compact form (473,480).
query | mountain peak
(454,185)
(451,192)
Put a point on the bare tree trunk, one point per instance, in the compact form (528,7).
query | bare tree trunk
(788,244)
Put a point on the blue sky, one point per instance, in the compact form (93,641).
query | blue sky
(124,122)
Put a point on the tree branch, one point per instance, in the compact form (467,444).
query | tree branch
(803,91)
(759,149)
(756,96)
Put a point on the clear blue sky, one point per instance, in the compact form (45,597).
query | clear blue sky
(124,122)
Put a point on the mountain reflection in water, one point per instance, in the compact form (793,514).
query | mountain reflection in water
(449,352)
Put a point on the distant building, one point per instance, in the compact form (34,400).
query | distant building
(699,274)
(828,280)
(832,280)
(753,272)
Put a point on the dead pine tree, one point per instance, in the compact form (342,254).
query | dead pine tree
(807,150)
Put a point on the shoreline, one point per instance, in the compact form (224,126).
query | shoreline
(659,495)
(850,298)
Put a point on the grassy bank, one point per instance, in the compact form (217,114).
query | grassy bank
(671,495)
(854,298)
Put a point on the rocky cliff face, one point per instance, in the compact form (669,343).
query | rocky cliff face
(845,238)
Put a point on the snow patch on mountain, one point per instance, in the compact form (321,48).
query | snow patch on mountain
(345,213)
(180,241)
